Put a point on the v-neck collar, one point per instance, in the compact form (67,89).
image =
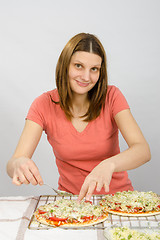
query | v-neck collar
(75,131)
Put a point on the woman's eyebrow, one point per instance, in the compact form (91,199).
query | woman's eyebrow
(95,65)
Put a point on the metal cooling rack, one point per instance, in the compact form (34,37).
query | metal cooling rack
(152,222)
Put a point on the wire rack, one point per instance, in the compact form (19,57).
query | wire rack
(152,222)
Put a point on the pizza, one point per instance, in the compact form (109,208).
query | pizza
(126,233)
(132,203)
(70,213)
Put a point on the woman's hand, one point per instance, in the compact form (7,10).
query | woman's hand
(99,177)
(137,154)
(25,171)
(20,167)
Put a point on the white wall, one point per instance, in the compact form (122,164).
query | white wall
(32,35)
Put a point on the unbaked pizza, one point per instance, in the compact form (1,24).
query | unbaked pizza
(70,213)
(132,203)
(126,233)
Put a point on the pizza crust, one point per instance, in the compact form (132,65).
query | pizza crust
(127,214)
(92,222)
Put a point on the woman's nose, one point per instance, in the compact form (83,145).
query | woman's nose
(86,75)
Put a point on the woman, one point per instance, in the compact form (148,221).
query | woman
(81,118)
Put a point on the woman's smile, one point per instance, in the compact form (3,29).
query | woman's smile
(82,84)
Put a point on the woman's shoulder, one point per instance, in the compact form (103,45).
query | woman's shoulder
(112,91)
(115,99)
(52,94)
(45,99)
(48,96)
(112,88)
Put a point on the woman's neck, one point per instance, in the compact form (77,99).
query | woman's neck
(80,105)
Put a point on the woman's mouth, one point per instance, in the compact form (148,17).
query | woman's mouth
(82,84)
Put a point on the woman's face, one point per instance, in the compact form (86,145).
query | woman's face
(84,71)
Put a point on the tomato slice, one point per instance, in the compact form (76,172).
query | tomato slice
(75,221)
(41,211)
(57,219)
(138,208)
(87,218)
(118,208)
(128,206)
(86,201)
(158,206)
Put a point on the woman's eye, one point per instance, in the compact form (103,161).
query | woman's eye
(94,69)
(78,65)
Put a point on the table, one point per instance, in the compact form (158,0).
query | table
(16,221)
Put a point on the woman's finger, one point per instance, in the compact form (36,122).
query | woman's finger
(37,175)
(22,177)
(99,186)
(25,177)
(106,187)
(16,180)
(82,192)
(30,177)
(87,189)
(90,191)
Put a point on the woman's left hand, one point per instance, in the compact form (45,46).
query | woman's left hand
(99,177)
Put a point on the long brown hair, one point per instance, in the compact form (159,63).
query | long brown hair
(97,95)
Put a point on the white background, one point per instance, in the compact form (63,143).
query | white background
(32,35)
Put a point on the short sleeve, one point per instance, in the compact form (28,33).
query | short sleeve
(117,101)
(37,111)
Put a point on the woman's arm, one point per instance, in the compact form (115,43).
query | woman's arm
(20,167)
(137,154)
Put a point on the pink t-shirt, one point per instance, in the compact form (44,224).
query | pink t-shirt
(78,153)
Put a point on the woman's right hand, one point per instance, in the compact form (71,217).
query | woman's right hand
(20,167)
(25,172)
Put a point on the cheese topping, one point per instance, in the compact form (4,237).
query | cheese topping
(126,233)
(71,210)
(132,201)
